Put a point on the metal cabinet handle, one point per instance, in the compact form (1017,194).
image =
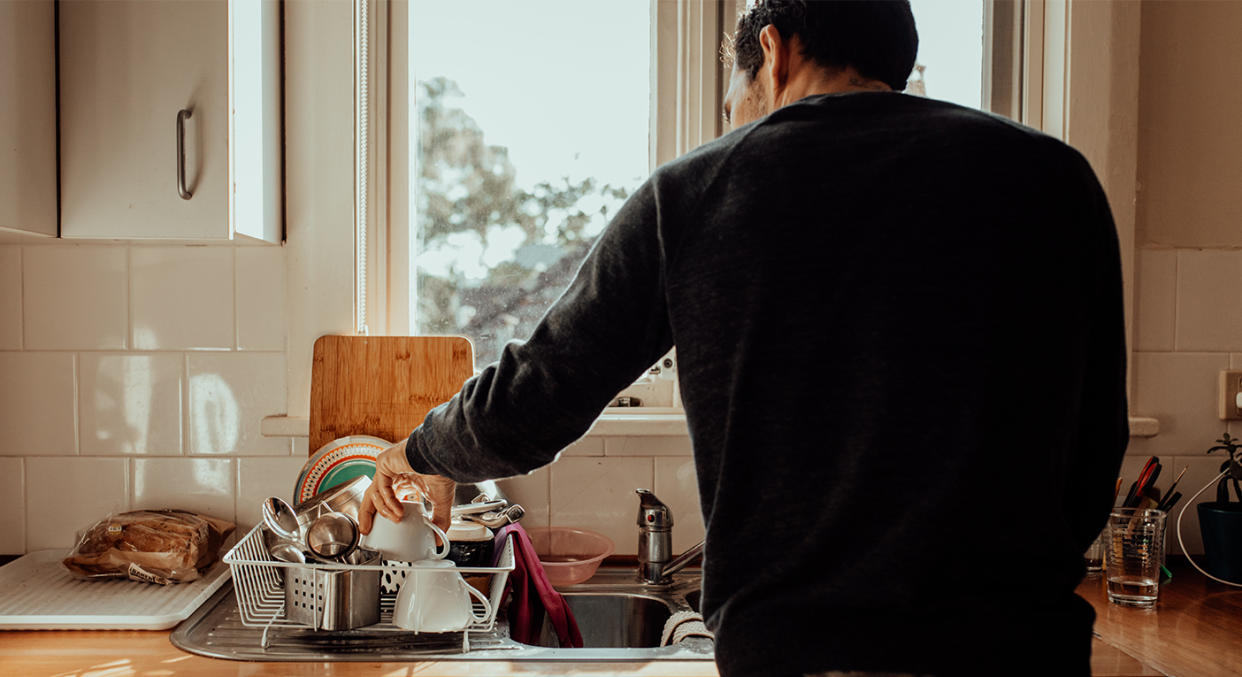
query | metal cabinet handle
(181,189)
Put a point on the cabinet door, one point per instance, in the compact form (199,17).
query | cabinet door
(28,117)
(127,67)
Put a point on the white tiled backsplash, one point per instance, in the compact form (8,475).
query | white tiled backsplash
(1187,328)
(136,376)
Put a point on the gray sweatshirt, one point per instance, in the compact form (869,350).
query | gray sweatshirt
(900,342)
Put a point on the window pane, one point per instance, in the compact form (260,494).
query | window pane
(532,130)
(950,50)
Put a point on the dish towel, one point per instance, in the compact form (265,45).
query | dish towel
(683,624)
(533,596)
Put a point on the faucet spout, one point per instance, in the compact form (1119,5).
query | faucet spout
(684,559)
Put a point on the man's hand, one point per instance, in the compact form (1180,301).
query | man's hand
(392,467)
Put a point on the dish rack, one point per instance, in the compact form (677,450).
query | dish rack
(259,583)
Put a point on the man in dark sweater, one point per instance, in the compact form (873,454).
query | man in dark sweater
(900,340)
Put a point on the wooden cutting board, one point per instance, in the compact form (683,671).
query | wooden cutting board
(382,385)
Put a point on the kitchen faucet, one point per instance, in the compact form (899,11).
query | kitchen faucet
(655,541)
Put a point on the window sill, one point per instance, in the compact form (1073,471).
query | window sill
(614,422)
(628,422)
(639,421)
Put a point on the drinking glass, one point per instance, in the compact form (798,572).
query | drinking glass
(1134,552)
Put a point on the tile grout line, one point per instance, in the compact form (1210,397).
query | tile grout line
(21,297)
(25,505)
(76,368)
(129,299)
(237,475)
(185,409)
(129,483)
(548,487)
(651,467)
(160,351)
(1177,293)
(1186,353)
(183,405)
(236,310)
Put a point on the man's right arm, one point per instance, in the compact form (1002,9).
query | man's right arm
(542,394)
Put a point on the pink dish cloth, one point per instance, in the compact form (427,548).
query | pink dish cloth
(533,596)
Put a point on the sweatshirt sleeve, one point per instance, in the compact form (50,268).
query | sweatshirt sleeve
(1104,428)
(609,326)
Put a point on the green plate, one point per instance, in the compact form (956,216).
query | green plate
(338,462)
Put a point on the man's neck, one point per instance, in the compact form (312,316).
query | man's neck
(812,81)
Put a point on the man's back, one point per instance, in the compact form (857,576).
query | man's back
(899,335)
(900,342)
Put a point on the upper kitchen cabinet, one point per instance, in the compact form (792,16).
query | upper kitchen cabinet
(170,120)
(28,118)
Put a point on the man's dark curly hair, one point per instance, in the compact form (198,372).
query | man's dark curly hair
(876,37)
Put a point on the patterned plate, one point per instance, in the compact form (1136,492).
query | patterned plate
(337,462)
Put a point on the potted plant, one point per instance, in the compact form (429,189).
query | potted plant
(1220,521)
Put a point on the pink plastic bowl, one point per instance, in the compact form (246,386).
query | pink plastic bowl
(569,555)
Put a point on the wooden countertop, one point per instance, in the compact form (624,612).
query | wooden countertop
(125,653)
(1196,631)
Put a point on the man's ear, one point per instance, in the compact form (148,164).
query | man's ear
(775,59)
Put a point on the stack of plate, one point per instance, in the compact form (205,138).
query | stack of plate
(338,462)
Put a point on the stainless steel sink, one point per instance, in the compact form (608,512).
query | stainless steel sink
(614,620)
(620,619)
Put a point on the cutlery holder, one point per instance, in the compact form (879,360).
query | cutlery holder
(334,599)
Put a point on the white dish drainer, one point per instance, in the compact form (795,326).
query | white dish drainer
(259,586)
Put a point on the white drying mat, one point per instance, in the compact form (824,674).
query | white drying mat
(38,593)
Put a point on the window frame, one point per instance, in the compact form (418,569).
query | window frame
(1080,85)
(687,36)
(320,258)
(686,69)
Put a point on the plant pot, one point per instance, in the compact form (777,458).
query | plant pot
(1220,524)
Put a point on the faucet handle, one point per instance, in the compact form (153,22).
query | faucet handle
(652,513)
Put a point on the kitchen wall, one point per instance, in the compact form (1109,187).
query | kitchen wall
(136,376)
(1188,295)
(1190,101)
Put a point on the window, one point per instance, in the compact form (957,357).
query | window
(949,65)
(530,121)
(1022,78)
(531,132)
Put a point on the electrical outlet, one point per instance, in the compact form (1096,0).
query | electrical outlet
(1230,396)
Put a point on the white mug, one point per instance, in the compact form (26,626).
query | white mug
(410,540)
(435,598)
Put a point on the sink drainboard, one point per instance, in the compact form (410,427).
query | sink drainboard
(617,624)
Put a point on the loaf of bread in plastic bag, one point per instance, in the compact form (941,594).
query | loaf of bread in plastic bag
(155,546)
